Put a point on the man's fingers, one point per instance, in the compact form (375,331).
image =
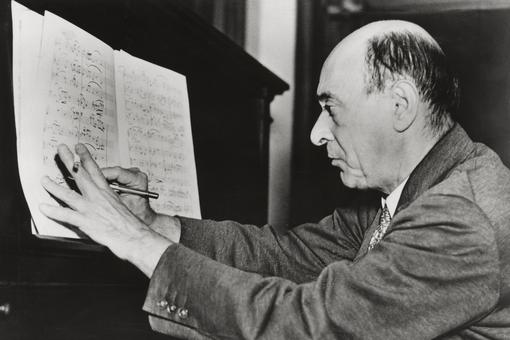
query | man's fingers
(66,156)
(64,215)
(80,176)
(118,174)
(68,196)
(131,177)
(91,166)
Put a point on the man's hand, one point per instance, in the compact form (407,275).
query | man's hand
(165,225)
(135,179)
(100,213)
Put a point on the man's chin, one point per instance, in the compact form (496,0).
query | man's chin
(352,181)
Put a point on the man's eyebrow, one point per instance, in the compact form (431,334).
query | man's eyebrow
(324,96)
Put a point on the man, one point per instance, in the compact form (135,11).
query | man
(429,259)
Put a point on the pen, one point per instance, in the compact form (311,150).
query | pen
(117,187)
(143,193)
(123,189)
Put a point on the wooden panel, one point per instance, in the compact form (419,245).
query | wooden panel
(226,15)
(9,324)
(76,312)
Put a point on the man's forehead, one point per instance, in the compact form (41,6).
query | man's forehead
(340,76)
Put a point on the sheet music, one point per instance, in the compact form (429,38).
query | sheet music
(17,11)
(27,29)
(65,92)
(27,33)
(74,103)
(155,132)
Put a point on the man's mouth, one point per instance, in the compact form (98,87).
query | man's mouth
(336,162)
(336,159)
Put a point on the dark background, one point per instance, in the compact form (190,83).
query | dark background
(62,289)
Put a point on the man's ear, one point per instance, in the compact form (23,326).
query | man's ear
(405,100)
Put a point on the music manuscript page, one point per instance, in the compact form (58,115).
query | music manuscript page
(70,88)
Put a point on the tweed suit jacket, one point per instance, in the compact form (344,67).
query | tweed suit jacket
(441,271)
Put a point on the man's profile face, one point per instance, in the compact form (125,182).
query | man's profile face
(352,124)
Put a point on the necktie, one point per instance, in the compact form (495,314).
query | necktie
(384,222)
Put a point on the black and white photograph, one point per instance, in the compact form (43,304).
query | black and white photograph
(254,169)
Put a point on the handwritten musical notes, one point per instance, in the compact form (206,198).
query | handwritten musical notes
(72,100)
(80,97)
(70,88)
(155,132)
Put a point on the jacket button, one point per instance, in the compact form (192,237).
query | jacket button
(171,308)
(182,313)
(162,304)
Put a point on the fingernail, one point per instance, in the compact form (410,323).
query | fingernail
(76,166)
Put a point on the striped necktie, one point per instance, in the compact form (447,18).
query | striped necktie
(384,222)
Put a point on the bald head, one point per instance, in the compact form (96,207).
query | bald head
(387,51)
(380,28)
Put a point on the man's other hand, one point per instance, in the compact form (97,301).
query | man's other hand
(167,226)
(135,179)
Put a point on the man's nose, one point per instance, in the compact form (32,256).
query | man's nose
(321,131)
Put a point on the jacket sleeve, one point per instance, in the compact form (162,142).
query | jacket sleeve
(436,270)
(298,255)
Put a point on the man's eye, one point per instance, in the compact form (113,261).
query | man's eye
(328,110)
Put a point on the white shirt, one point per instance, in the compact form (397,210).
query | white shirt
(392,199)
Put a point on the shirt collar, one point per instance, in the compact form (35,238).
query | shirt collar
(392,199)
